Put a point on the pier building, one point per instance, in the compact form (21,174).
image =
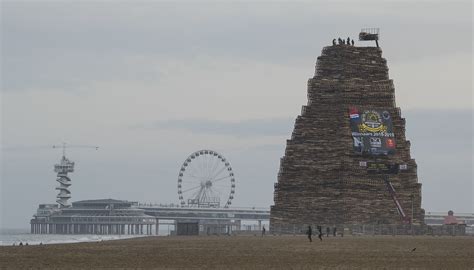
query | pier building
(104,216)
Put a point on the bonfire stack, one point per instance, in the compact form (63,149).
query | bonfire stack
(321,180)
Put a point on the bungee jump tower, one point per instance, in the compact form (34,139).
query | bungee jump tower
(63,168)
(348,160)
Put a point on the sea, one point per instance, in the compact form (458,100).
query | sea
(10,237)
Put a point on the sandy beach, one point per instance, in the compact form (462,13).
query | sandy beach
(249,252)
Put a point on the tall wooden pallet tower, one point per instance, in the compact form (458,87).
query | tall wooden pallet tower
(348,160)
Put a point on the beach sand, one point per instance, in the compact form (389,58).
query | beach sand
(250,252)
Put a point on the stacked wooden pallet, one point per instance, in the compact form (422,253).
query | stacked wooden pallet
(321,180)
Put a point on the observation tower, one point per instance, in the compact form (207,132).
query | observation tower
(63,168)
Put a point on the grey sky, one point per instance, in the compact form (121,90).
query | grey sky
(152,82)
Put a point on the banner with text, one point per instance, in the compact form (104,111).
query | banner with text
(372,131)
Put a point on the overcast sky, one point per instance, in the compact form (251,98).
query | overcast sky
(152,82)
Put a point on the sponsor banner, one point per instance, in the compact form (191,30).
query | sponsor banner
(381,167)
(372,131)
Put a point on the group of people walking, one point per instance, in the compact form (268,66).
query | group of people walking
(309,232)
(343,42)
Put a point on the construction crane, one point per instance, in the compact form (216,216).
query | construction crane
(391,190)
(63,168)
(65,145)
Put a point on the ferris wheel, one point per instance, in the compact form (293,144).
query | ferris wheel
(206,179)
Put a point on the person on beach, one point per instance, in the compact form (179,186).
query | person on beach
(334,231)
(320,235)
(309,233)
(263,231)
(327,231)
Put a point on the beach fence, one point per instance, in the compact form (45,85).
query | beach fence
(372,229)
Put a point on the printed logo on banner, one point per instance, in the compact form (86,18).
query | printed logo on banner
(372,122)
(375,142)
(358,144)
(390,143)
(353,113)
(372,131)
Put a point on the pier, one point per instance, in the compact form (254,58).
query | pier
(109,216)
(104,216)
